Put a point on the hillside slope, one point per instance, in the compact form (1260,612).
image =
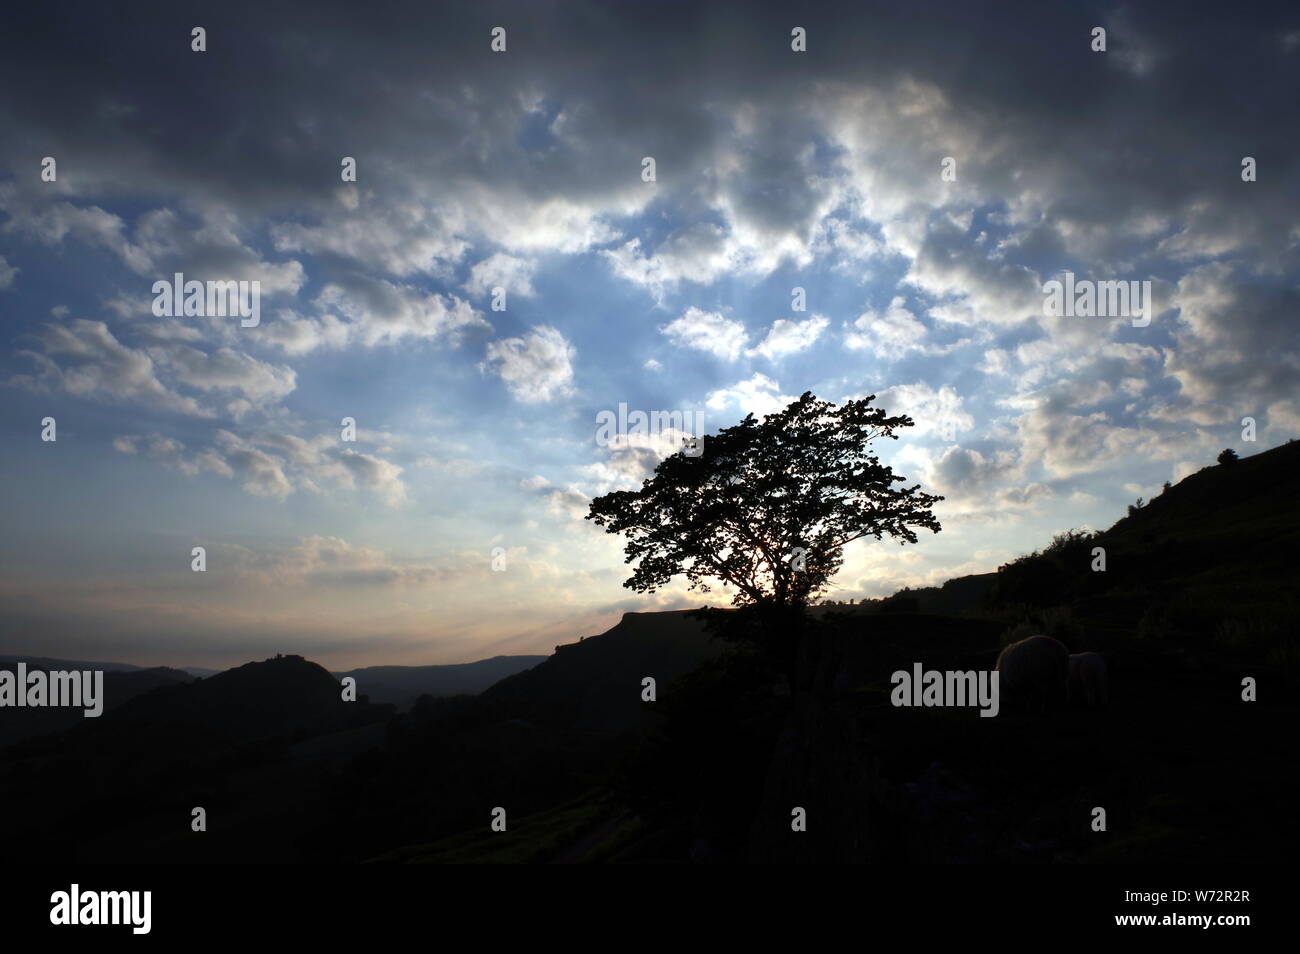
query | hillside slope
(595,683)
(1212,563)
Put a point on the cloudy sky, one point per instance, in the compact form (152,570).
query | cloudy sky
(523,170)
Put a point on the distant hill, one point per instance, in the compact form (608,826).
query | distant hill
(595,683)
(402,685)
(253,746)
(121,684)
(277,697)
(47,663)
(200,672)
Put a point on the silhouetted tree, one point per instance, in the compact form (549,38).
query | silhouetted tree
(767,509)
(1228,456)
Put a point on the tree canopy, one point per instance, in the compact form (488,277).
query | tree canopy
(769,506)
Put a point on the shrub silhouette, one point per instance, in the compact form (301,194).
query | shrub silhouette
(1227,456)
(1049,577)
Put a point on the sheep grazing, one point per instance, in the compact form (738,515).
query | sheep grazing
(1033,672)
(1087,683)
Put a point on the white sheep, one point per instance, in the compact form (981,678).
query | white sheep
(1087,682)
(1033,672)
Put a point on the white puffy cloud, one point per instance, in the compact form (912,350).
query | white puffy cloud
(513,274)
(1234,338)
(890,334)
(378,312)
(84,359)
(994,291)
(211,251)
(262,473)
(296,334)
(376,473)
(399,238)
(161,243)
(1284,418)
(569,502)
(933,411)
(274,465)
(707,331)
(226,369)
(758,395)
(171,452)
(788,336)
(537,368)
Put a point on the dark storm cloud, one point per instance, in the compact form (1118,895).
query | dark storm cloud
(260,121)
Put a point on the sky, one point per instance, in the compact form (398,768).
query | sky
(919,170)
